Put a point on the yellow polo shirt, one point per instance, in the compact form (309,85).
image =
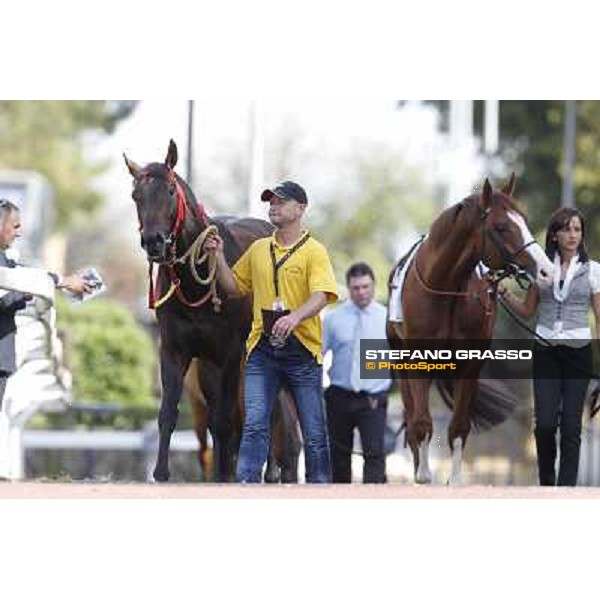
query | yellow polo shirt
(306,271)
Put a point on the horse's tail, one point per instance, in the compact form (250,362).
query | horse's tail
(493,404)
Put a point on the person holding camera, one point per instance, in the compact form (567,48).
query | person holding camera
(291,279)
(11,301)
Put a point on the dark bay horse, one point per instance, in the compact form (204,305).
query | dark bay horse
(444,299)
(193,321)
(282,461)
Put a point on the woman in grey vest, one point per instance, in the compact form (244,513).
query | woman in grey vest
(561,372)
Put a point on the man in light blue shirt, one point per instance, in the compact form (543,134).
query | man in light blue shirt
(351,401)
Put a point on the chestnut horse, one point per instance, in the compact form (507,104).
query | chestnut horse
(444,299)
(193,321)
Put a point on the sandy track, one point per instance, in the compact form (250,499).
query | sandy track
(106,491)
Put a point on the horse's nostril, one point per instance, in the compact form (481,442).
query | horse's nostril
(543,273)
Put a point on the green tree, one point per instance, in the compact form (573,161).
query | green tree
(111,357)
(48,136)
(531,143)
(387,201)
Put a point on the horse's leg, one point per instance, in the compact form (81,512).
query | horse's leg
(172,370)
(225,445)
(409,407)
(460,425)
(272,471)
(285,445)
(192,384)
(292,444)
(419,426)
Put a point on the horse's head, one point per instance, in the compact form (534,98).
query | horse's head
(506,241)
(161,205)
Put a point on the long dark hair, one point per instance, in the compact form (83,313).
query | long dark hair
(559,219)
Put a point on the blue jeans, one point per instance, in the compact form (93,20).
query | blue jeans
(266,370)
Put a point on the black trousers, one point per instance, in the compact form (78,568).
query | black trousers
(558,405)
(345,411)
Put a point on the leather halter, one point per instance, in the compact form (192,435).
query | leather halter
(483,295)
(155,301)
(181,208)
(508,257)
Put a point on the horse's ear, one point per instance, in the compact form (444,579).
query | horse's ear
(509,186)
(486,194)
(133,167)
(171,159)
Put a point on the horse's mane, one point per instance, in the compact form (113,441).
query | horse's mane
(160,170)
(457,214)
(190,196)
(451,218)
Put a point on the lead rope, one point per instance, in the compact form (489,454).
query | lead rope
(195,257)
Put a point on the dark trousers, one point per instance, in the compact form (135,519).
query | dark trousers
(558,405)
(345,411)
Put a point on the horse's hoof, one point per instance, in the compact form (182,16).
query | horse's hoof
(289,476)
(161,476)
(272,475)
(423,474)
(423,478)
(454,481)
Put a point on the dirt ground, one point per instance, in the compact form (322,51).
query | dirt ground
(106,491)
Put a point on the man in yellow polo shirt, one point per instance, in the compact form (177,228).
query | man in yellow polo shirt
(291,279)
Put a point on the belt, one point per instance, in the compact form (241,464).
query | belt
(361,393)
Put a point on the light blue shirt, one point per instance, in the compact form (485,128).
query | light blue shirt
(339,327)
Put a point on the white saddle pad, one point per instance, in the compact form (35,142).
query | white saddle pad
(395,306)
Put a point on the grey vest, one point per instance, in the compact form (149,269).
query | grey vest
(573,310)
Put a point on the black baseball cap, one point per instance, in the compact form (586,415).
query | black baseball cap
(288,190)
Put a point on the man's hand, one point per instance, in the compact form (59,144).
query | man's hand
(213,243)
(76,284)
(284,326)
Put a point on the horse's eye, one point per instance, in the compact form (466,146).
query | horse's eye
(172,189)
(501,228)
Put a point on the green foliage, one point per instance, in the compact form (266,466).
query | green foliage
(111,357)
(388,201)
(532,137)
(48,136)
(531,143)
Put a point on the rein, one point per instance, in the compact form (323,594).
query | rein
(595,395)
(193,255)
(484,294)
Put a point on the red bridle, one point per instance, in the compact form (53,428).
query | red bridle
(181,207)
(154,300)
